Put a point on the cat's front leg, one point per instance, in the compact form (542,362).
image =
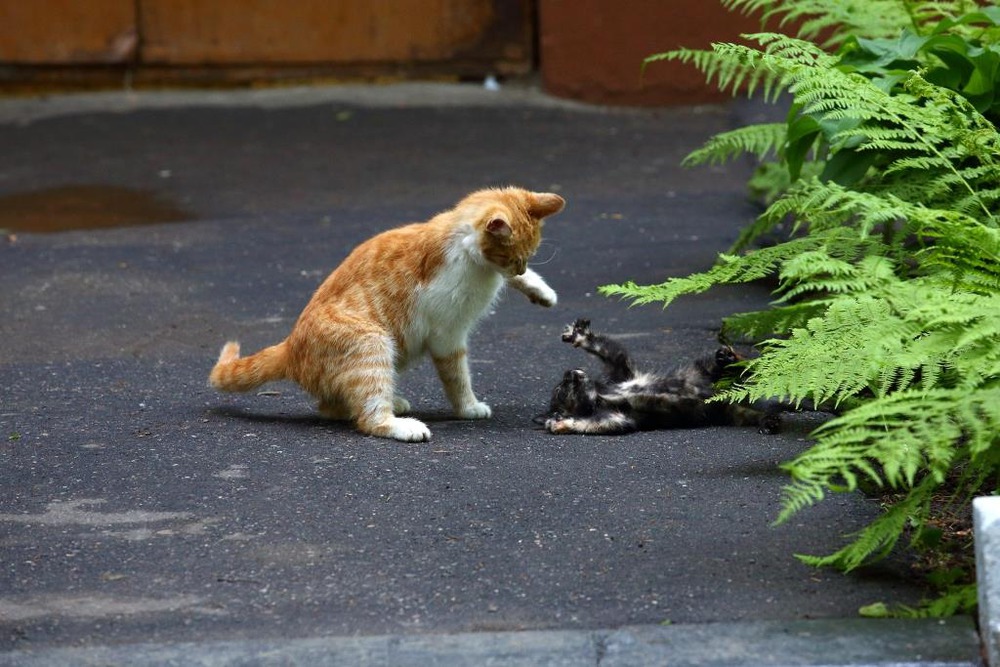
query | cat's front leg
(534,287)
(617,362)
(453,369)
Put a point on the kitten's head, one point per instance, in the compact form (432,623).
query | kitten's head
(575,396)
(509,224)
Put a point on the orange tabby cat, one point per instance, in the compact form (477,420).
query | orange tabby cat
(406,292)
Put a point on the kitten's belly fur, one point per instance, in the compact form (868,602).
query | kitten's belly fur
(446,309)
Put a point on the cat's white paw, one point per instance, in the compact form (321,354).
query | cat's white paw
(478,410)
(400,405)
(543,295)
(408,429)
(535,288)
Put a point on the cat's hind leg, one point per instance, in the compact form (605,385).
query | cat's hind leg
(601,423)
(333,410)
(357,379)
(768,422)
(337,411)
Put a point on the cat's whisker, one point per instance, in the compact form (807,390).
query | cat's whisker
(555,251)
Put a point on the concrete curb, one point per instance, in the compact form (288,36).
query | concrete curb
(986,526)
(941,643)
(30,109)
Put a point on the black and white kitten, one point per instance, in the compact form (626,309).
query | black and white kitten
(628,400)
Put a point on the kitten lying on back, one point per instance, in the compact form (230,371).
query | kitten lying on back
(410,291)
(629,400)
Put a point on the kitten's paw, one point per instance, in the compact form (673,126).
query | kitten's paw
(400,405)
(477,410)
(769,424)
(577,332)
(408,429)
(726,356)
(558,426)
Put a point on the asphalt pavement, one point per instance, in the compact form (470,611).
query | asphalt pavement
(146,519)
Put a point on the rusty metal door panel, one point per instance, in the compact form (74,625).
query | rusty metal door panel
(241,32)
(67,32)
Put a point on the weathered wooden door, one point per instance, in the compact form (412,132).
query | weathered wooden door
(220,37)
(60,32)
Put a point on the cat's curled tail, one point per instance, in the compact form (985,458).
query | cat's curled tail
(235,373)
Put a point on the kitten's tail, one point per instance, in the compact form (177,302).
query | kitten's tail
(235,373)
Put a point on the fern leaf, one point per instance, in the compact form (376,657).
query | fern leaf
(879,537)
(819,272)
(837,20)
(833,357)
(729,269)
(732,69)
(757,140)
(776,321)
(960,599)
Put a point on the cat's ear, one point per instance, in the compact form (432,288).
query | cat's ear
(543,204)
(499,227)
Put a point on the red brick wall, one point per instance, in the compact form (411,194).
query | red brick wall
(592,50)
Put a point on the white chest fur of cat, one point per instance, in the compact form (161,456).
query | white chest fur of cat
(414,290)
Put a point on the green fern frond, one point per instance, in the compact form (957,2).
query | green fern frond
(735,67)
(833,357)
(961,334)
(784,53)
(757,140)
(732,70)
(892,440)
(837,19)
(932,146)
(827,205)
(776,321)
(967,251)
(879,335)
(770,181)
(729,269)
(879,538)
(962,599)
(816,272)
(764,224)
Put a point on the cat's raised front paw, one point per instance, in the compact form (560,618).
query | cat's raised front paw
(477,410)
(534,287)
(543,295)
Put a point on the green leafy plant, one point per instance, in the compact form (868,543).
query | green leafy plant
(887,303)
(955,45)
(836,21)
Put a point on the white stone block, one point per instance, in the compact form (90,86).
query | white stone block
(986,524)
